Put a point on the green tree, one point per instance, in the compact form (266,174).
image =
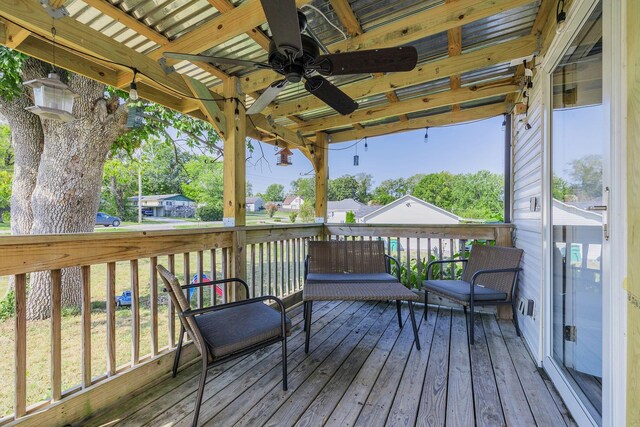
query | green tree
(292,216)
(307,212)
(119,182)
(274,193)
(59,166)
(390,190)
(363,190)
(561,189)
(306,188)
(341,188)
(164,168)
(436,188)
(479,195)
(586,174)
(204,181)
(6,169)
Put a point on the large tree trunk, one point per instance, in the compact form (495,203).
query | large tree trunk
(62,192)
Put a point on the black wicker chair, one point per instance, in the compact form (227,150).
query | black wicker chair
(227,331)
(489,278)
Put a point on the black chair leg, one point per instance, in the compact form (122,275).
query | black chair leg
(284,363)
(471,324)
(308,326)
(176,358)
(399,309)
(413,323)
(426,304)
(203,382)
(515,317)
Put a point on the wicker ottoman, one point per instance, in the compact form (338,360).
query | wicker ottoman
(357,291)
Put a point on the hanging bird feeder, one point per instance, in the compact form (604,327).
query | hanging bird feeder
(284,157)
(53,99)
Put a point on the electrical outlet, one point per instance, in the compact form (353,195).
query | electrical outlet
(530,307)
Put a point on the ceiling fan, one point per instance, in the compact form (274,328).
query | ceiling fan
(297,56)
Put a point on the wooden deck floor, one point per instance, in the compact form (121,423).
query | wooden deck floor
(363,370)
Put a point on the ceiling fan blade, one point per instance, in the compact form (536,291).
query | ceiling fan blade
(327,92)
(267,96)
(282,16)
(215,60)
(368,61)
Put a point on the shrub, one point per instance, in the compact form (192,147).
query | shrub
(307,212)
(271,208)
(7,306)
(6,216)
(351,218)
(210,213)
(292,216)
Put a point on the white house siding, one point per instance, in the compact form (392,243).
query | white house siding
(527,170)
(416,214)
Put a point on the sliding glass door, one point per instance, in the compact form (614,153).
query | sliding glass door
(579,143)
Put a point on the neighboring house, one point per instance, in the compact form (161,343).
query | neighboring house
(254,204)
(410,210)
(292,203)
(167,205)
(337,210)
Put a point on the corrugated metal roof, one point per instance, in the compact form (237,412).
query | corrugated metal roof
(175,18)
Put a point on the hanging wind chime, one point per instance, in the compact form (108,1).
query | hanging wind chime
(52,98)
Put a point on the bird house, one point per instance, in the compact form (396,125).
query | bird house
(53,99)
(284,157)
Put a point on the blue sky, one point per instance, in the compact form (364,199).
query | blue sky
(461,148)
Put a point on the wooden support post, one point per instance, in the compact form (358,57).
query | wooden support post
(321,166)
(234,156)
(235,179)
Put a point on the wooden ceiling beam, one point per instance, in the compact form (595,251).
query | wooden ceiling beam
(256,34)
(228,25)
(424,103)
(454,117)
(41,49)
(32,16)
(478,59)
(454,47)
(347,18)
(411,28)
(14,35)
(213,112)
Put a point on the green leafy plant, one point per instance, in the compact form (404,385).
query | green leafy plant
(210,213)
(8,306)
(412,279)
(351,218)
(292,216)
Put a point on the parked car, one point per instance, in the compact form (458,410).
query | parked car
(107,220)
(124,299)
(147,211)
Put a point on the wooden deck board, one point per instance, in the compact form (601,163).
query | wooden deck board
(363,369)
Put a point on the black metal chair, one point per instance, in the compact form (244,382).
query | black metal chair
(489,277)
(226,331)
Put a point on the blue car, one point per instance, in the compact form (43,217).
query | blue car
(124,299)
(107,220)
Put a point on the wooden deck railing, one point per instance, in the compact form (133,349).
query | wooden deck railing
(270,257)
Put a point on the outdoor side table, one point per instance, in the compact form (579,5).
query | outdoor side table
(357,291)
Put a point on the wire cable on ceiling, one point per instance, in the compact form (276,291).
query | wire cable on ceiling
(326,19)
